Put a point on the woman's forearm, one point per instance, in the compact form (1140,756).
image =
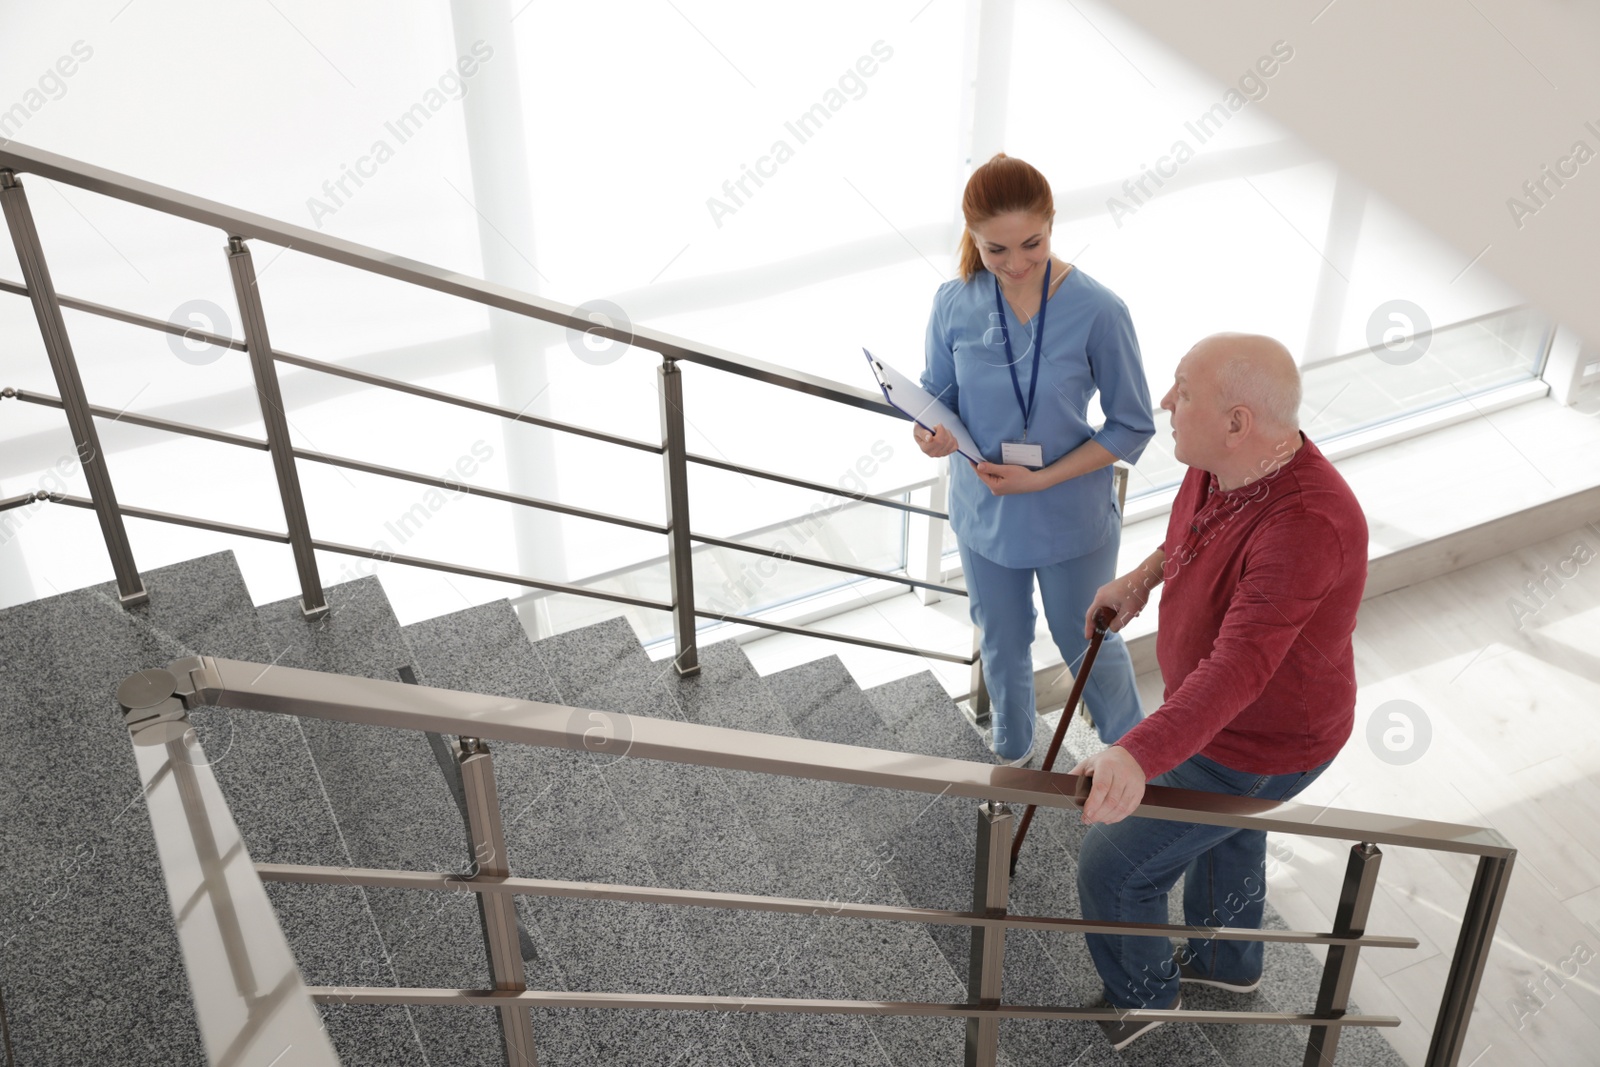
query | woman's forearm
(1089,456)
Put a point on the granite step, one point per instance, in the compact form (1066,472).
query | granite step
(1039,968)
(923,843)
(563,820)
(388,806)
(83,904)
(700,829)
(829,851)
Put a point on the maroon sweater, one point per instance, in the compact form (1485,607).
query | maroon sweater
(1262,584)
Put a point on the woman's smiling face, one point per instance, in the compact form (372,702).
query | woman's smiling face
(1013,247)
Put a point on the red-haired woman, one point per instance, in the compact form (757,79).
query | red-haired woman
(1017,346)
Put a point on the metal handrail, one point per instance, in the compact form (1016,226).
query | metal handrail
(576,589)
(545,585)
(383,382)
(250,1002)
(166,695)
(439,882)
(247,225)
(226,683)
(32,396)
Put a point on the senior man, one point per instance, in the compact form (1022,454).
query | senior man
(1264,564)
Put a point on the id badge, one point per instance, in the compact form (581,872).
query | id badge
(1022,454)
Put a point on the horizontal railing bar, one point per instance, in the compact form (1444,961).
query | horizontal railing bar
(825,635)
(479,998)
(820,487)
(353,464)
(886,497)
(325,367)
(440,882)
(474,490)
(187,429)
(462,402)
(827,564)
(17,501)
(286,690)
(656,561)
(369,553)
(131,512)
(488,575)
(131,318)
(25,159)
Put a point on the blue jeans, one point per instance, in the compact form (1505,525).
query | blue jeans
(1126,870)
(1001,606)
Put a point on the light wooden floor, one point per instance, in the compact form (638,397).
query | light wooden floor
(1515,717)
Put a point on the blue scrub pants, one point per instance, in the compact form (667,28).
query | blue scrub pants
(1001,605)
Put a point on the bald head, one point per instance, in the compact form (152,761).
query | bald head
(1235,404)
(1251,371)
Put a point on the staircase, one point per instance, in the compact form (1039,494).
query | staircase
(89,966)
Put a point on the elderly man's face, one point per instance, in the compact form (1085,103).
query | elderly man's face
(1198,426)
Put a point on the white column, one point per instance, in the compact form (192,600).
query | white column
(502,193)
(987,79)
(1563,370)
(1345,215)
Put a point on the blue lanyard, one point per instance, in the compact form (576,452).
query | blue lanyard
(1038,342)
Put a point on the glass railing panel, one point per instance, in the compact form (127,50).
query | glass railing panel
(745,583)
(1360,390)
(1368,388)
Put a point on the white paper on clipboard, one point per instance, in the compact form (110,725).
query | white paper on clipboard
(925,409)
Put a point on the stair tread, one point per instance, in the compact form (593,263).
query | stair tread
(390,807)
(83,903)
(318,792)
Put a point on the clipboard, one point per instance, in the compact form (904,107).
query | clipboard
(923,407)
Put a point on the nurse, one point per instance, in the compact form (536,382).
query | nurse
(1017,346)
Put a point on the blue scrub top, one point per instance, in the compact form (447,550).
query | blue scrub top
(1089,345)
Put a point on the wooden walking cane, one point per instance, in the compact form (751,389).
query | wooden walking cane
(1102,623)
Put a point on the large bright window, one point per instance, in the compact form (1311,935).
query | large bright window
(781,185)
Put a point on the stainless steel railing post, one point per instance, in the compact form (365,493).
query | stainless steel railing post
(53,329)
(977,687)
(1339,971)
(498,910)
(991,890)
(1473,943)
(680,559)
(265,369)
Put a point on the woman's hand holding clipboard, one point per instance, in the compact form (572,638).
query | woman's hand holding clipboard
(924,409)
